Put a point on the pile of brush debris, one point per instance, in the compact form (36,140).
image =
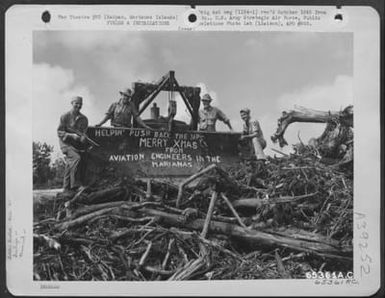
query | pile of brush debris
(281,219)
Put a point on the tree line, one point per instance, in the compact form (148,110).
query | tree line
(46,173)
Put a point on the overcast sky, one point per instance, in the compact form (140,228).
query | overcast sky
(266,71)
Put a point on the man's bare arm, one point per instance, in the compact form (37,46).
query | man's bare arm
(105,119)
(222,116)
(229,124)
(108,116)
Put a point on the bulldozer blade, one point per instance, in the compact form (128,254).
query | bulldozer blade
(149,153)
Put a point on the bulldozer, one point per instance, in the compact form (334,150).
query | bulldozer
(172,148)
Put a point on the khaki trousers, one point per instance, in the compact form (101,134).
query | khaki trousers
(72,169)
(259,145)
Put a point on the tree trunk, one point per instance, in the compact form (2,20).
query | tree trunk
(252,237)
(337,132)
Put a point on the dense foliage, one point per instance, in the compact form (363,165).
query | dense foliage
(46,174)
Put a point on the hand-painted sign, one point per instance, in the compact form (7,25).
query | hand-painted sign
(147,153)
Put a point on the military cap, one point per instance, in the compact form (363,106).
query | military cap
(77,99)
(245,110)
(207,97)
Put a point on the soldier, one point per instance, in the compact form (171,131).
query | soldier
(209,115)
(121,113)
(252,132)
(72,144)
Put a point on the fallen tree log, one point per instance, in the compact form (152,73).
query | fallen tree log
(92,208)
(43,196)
(256,202)
(249,203)
(82,219)
(103,196)
(252,237)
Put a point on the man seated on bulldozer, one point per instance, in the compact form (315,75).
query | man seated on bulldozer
(122,112)
(252,135)
(209,115)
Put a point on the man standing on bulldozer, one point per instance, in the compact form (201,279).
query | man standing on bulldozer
(73,143)
(209,116)
(252,134)
(122,112)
